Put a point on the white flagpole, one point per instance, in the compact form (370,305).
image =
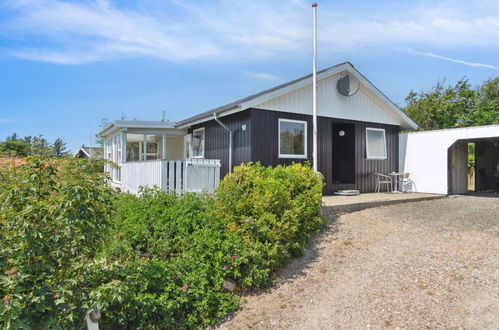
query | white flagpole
(314,86)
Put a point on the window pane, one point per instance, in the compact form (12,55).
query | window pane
(198,143)
(154,146)
(292,138)
(134,144)
(376,145)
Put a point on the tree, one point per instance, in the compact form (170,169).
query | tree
(40,146)
(59,148)
(12,137)
(455,106)
(14,148)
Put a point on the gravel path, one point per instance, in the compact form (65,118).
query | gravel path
(432,264)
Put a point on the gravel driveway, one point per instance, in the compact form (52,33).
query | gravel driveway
(432,264)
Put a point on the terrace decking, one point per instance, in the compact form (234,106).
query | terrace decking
(363,201)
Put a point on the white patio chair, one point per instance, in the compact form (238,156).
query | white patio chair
(406,184)
(382,179)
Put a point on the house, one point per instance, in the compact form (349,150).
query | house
(438,159)
(358,134)
(90,152)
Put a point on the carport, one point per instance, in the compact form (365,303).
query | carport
(438,160)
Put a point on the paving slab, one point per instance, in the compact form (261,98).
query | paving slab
(337,203)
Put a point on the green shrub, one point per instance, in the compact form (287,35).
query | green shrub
(159,244)
(166,257)
(275,210)
(52,219)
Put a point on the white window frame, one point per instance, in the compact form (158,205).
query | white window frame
(305,139)
(202,142)
(384,143)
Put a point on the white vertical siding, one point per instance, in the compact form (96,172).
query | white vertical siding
(202,175)
(192,175)
(424,154)
(137,174)
(363,106)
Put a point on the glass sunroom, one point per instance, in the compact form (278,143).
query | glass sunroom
(155,153)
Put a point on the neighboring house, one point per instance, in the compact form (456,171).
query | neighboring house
(357,135)
(90,152)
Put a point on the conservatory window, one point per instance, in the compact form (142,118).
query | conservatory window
(154,147)
(292,138)
(375,143)
(134,145)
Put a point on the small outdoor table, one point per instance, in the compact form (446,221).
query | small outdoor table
(395,176)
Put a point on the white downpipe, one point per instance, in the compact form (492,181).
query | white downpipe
(314,86)
(230,139)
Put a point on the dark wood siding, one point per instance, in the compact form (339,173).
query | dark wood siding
(264,133)
(217,139)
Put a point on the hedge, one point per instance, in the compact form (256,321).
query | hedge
(165,260)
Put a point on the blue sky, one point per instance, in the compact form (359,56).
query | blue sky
(66,65)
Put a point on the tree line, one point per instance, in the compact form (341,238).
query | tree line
(461,105)
(16,146)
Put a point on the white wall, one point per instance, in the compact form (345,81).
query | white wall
(424,154)
(362,106)
(175,147)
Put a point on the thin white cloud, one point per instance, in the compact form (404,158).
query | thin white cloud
(262,75)
(4,120)
(449,59)
(94,30)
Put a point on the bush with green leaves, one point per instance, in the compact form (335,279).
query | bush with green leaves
(53,217)
(166,263)
(275,210)
(166,259)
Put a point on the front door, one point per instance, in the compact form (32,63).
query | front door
(343,154)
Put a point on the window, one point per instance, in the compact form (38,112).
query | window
(292,138)
(154,147)
(137,143)
(134,145)
(198,143)
(375,143)
(108,150)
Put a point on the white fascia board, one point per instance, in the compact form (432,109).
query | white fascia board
(408,121)
(210,117)
(81,149)
(105,131)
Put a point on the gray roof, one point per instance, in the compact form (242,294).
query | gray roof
(144,123)
(237,103)
(94,152)
(135,124)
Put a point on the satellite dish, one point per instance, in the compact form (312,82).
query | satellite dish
(347,85)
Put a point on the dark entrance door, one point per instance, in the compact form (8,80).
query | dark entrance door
(343,153)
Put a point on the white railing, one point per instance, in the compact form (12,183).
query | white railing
(202,175)
(191,175)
